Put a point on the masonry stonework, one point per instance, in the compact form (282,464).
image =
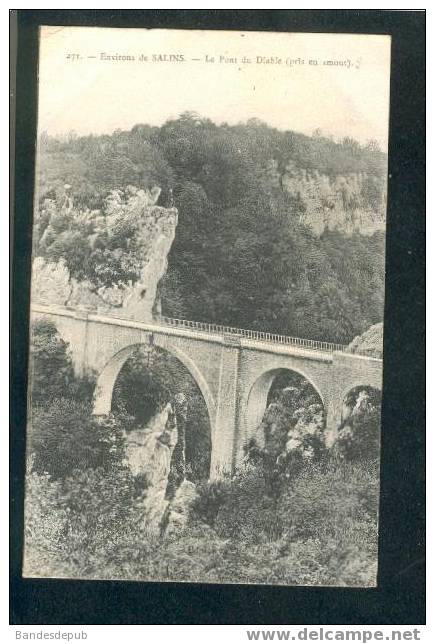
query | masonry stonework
(234,374)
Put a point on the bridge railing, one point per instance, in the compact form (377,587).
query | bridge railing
(261,336)
(218,329)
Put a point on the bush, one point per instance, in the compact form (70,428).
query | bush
(327,494)
(211,497)
(240,508)
(51,369)
(321,530)
(359,435)
(76,526)
(249,512)
(91,525)
(361,438)
(63,436)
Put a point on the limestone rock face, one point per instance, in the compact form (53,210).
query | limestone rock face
(289,428)
(50,282)
(149,453)
(178,509)
(104,299)
(370,342)
(154,232)
(139,299)
(343,202)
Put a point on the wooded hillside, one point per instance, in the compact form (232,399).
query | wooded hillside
(269,232)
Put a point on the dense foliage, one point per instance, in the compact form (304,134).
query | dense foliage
(51,369)
(243,255)
(321,531)
(358,434)
(62,434)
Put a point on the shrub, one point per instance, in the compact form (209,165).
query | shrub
(63,436)
(77,526)
(327,494)
(249,512)
(91,525)
(359,436)
(45,521)
(321,529)
(211,497)
(51,369)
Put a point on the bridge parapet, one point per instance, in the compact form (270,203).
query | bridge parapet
(262,336)
(192,326)
(227,335)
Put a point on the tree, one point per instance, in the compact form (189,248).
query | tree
(359,434)
(51,369)
(64,436)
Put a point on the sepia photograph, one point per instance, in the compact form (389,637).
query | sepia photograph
(207,307)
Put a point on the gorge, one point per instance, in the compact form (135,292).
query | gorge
(258,229)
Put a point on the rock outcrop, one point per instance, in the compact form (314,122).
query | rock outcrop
(177,513)
(309,428)
(51,282)
(130,220)
(359,429)
(148,454)
(369,343)
(152,231)
(349,203)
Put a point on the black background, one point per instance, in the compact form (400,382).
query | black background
(399,597)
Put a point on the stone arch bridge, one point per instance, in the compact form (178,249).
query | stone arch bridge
(234,368)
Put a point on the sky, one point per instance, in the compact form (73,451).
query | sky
(86,86)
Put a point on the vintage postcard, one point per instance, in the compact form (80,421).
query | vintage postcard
(207,306)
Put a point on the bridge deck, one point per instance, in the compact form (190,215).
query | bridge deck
(260,337)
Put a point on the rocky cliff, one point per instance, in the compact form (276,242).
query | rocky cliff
(369,343)
(130,238)
(349,203)
(150,454)
(293,422)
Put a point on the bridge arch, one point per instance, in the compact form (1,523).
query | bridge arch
(256,401)
(102,402)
